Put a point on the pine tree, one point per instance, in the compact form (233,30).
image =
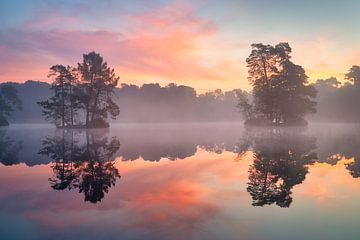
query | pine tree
(97,84)
(281,91)
(61,108)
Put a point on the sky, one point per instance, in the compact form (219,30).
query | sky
(199,43)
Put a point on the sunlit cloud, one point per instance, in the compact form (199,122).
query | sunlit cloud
(192,43)
(170,44)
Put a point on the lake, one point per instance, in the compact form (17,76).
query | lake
(180,181)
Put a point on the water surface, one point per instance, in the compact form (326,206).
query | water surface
(180,181)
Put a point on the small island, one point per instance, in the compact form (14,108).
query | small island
(82,97)
(281,94)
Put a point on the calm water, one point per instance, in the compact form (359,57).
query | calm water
(188,181)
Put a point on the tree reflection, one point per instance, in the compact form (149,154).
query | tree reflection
(281,157)
(83,161)
(9,149)
(344,144)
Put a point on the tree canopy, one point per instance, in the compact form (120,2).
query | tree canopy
(85,91)
(281,93)
(353,75)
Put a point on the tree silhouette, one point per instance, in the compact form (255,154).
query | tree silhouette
(8,100)
(281,94)
(61,108)
(88,88)
(97,84)
(280,162)
(88,167)
(354,167)
(354,75)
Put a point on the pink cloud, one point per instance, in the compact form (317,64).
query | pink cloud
(165,44)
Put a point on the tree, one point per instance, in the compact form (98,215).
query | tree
(295,95)
(281,93)
(88,88)
(8,101)
(61,108)
(354,75)
(96,88)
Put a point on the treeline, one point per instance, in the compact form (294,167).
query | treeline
(172,103)
(145,103)
(84,96)
(337,101)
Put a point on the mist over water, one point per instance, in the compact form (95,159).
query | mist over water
(210,180)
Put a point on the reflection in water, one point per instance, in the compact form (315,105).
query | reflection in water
(88,167)
(354,167)
(9,149)
(344,143)
(206,196)
(83,160)
(281,157)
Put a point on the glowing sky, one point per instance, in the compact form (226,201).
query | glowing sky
(200,43)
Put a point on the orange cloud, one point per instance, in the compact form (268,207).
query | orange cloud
(169,44)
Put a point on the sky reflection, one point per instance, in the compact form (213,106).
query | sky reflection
(203,195)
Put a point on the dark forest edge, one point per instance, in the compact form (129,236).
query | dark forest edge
(281,95)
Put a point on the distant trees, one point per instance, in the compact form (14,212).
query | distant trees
(9,100)
(175,103)
(281,93)
(83,91)
(339,101)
